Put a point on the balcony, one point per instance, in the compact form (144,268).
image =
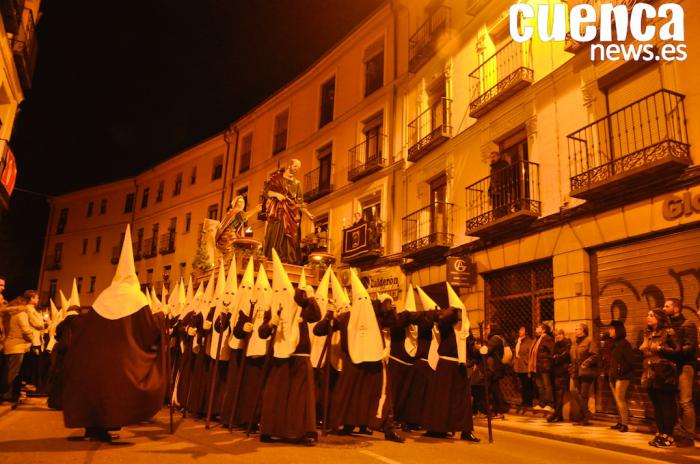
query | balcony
(362,242)
(366,158)
(423,44)
(167,243)
(430,129)
(53,262)
(427,231)
(12,14)
(504,201)
(24,49)
(642,144)
(317,184)
(8,173)
(507,72)
(149,248)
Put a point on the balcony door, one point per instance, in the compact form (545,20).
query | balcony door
(324,172)
(514,149)
(438,213)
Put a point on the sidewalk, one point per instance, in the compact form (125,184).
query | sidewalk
(597,435)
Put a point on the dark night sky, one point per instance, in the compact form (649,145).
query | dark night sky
(121,88)
(123,85)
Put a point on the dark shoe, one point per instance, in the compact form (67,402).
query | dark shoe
(266,438)
(469,436)
(308,441)
(435,434)
(623,428)
(655,440)
(665,442)
(616,426)
(364,430)
(393,436)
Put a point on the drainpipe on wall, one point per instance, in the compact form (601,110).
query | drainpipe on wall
(233,171)
(227,139)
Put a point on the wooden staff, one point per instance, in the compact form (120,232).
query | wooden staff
(169,387)
(223,319)
(486,383)
(241,372)
(326,352)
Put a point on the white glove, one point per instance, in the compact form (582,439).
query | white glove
(207,325)
(484,350)
(248,327)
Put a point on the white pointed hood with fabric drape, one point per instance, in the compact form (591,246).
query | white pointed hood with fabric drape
(123,297)
(263,296)
(304,285)
(411,341)
(53,323)
(364,336)
(147,294)
(321,296)
(156,305)
(342,304)
(181,299)
(285,311)
(429,305)
(75,295)
(65,304)
(165,300)
(461,328)
(171,303)
(218,303)
(242,301)
(205,302)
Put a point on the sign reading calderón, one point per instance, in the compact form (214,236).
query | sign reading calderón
(384,280)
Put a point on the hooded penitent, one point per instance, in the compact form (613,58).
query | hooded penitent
(115,369)
(364,337)
(411,341)
(462,327)
(74,295)
(342,304)
(262,296)
(285,311)
(321,296)
(242,301)
(155,304)
(221,309)
(429,305)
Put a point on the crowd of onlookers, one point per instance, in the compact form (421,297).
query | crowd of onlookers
(549,365)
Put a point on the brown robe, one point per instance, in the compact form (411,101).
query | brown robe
(115,373)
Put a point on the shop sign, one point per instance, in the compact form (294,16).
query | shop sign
(461,271)
(676,206)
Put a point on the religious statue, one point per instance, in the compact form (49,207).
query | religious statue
(233,226)
(282,208)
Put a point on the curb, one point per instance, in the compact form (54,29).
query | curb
(672,455)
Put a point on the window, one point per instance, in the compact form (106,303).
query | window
(62,220)
(319,238)
(149,276)
(53,284)
(373,138)
(129,203)
(213,212)
(103,206)
(246,152)
(57,252)
(166,273)
(173,224)
(178,184)
(139,241)
(92,284)
(218,168)
(161,189)
(79,284)
(144,198)
(182,270)
(325,156)
(98,244)
(85,246)
(193,175)
(374,73)
(91,207)
(243,192)
(280,142)
(188,222)
(327,99)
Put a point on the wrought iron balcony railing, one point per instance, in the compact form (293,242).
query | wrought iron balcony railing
(647,139)
(149,248)
(317,183)
(427,230)
(24,49)
(431,128)
(504,200)
(53,262)
(423,43)
(366,157)
(506,72)
(167,243)
(362,241)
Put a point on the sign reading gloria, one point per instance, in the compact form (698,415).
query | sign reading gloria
(594,20)
(461,272)
(676,206)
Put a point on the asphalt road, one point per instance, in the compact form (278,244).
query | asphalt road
(35,434)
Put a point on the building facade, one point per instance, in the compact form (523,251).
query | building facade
(558,188)
(18,51)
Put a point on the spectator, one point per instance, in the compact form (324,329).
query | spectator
(620,371)
(19,337)
(495,370)
(30,365)
(660,348)
(687,334)
(522,352)
(584,360)
(561,362)
(540,366)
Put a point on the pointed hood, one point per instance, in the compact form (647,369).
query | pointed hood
(242,301)
(304,285)
(262,296)
(285,311)
(411,340)
(156,305)
(198,295)
(207,297)
(341,299)
(220,309)
(461,328)
(172,301)
(189,294)
(164,298)
(430,305)
(181,299)
(148,298)
(123,297)
(75,295)
(317,342)
(65,304)
(427,302)
(365,342)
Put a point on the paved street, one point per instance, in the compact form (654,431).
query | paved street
(34,434)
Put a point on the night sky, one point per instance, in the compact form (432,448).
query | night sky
(123,85)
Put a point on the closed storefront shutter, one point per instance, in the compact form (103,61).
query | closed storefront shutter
(637,277)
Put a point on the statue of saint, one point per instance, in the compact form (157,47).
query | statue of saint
(233,225)
(283,205)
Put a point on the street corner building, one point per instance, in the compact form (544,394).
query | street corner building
(543,185)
